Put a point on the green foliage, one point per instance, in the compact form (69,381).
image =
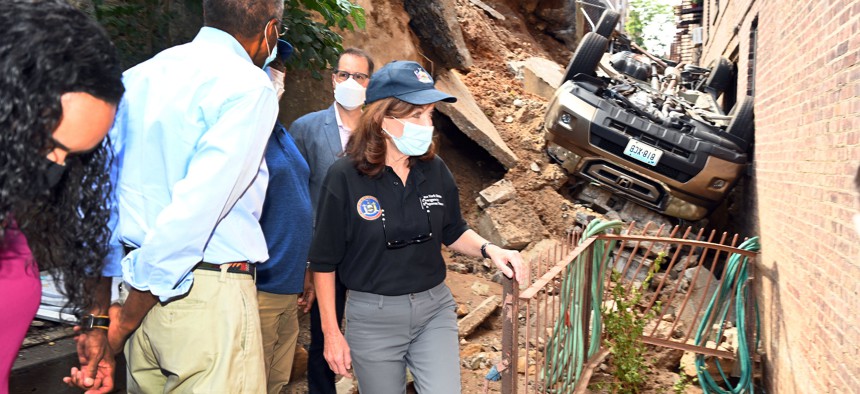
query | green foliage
(623,328)
(642,14)
(316,45)
(142,28)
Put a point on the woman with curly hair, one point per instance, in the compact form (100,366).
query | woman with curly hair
(60,83)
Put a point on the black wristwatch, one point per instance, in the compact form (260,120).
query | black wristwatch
(484,249)
(91,321)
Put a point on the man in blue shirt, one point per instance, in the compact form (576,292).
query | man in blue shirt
(321,137)
(193,128)
(287,223)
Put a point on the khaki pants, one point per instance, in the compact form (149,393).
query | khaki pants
(206,342)
(279,323)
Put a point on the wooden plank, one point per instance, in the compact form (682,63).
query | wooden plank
(489,10)
(468,324)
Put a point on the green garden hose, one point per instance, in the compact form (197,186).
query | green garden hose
(564,349)
(736,268)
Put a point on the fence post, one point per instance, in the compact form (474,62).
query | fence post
(510,345)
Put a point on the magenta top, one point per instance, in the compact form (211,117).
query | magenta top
(20,290)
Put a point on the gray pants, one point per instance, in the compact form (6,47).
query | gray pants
(388,333)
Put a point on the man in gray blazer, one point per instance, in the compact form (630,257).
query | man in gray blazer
(321,137)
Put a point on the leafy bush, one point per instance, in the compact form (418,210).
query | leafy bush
(142,28)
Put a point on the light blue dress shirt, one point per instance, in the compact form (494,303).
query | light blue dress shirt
(190,134)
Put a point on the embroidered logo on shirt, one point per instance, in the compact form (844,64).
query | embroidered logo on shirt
(432,200)
(423,76)
(368,208)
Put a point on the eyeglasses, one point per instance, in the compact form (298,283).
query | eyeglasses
(401,243)
(341,76)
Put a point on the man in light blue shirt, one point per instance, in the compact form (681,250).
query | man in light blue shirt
(192,129)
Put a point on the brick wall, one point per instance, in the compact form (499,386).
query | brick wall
(807,152)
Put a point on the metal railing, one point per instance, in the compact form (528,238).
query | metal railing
(674,298)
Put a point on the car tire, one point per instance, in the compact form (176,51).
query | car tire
(720,76)
(742,124)
(606,25)
(586,57)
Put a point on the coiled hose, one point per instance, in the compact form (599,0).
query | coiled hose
(720,303)
(564,355)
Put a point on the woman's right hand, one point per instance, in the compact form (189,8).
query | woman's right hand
(336,353)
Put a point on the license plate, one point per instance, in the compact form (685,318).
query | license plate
(643,152)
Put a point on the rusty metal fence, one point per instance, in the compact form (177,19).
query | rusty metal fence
(551,339)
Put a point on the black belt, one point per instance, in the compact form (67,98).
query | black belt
(239,267)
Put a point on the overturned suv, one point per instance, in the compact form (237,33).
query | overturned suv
(657,139)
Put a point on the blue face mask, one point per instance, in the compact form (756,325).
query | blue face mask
(416,139)
(273,51)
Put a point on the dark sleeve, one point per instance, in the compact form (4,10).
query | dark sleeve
(329,242)
(454,225)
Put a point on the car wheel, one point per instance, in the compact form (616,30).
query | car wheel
(587,56)
(720,76)
(606,25)
(742,124)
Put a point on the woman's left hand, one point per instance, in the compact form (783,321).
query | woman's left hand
(503,257)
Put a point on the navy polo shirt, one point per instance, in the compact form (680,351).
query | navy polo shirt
(351,239)
(287,218)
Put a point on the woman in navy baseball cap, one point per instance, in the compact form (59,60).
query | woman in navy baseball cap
(386,209)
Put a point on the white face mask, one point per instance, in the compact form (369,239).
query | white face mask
(277,78)
(349,94)
(416,139)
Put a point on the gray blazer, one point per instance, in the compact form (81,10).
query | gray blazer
(318,139)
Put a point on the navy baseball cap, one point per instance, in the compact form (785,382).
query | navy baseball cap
(407,81)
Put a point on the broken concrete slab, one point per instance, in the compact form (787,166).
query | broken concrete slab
(471,120)
(468,324)
(541,249)
(489,10)
(435,23)
(510,225)
(497,193)
(542,76)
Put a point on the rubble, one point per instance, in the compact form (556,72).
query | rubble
(512,225)
(498,193)
(471,120)
(435,23)
(489,10)
(542,76)
(468,324)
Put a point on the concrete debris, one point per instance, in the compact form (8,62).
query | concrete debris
(480,289)
(542,76)
(554,176)
(519,103)
(534,167)
(468,324)
(481,361)
(471,350)
(509,119)
(435,23)
(634,271)
(511,225)
(462,310)
(497,193)
(458,268)
(516,68)
(489,10)
(471,120)
(634,212)
(540,250)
